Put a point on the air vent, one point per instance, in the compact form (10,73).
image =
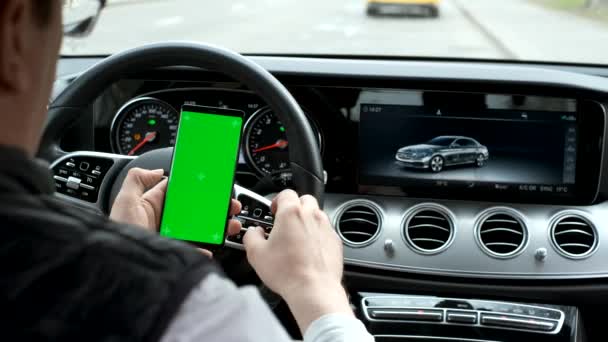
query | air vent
(573,236)
(358,223)
(429,229)
(502,233)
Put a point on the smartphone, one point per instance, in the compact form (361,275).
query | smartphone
(197,202)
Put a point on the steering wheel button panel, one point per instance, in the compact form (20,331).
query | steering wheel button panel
(82,183)
(254,208)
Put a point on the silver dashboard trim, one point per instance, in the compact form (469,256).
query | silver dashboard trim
(483,216)
(577,214)
(464,259)
(428,206)
(472,274)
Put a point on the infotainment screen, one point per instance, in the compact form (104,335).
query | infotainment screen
(405,147)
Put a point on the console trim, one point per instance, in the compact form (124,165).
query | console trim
(478,324)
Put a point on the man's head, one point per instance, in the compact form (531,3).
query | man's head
(30,38)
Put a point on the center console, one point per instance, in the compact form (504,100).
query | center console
(396,318)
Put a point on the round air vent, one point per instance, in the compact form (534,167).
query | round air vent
(573,236)
(358,223)
(428,229)
(501,233)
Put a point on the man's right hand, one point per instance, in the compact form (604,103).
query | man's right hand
(302,259)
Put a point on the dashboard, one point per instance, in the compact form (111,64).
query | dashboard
(484,175)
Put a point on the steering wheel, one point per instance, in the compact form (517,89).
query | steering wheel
(75,100)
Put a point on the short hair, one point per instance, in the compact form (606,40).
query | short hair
(42,10)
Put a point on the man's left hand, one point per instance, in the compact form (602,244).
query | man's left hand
(140,201)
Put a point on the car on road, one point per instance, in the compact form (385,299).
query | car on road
(429,8)
(443,151)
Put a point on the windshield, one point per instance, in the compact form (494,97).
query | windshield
(532,30)
(441,141)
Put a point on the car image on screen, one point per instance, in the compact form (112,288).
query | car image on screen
(443,151)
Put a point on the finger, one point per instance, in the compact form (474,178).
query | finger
(206,253)
(234,227)
(254,241)
(155,197)
(285,198)
(235,207)
(309,202)
(322,218)
(139,180)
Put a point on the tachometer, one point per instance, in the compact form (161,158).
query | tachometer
(142,125)
(266,144)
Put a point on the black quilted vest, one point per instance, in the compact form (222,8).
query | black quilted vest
(66,275)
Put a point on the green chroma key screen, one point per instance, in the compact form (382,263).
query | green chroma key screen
(202,175)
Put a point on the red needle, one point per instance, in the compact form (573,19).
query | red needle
(149,137)
(279,144)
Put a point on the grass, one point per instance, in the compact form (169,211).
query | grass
(599,12)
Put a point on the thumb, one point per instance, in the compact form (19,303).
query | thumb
(157,193)
(155,198)
(139,180)
(254,242)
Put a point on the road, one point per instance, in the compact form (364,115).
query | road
(507,29)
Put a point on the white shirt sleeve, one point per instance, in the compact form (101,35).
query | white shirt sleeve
(217,310)
(337,328)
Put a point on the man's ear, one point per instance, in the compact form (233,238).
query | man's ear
(15,29)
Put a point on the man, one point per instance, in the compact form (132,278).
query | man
(65,275)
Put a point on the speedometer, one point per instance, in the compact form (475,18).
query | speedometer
(142,125)
(266,144)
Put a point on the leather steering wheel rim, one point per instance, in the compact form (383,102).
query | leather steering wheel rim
(305,157)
